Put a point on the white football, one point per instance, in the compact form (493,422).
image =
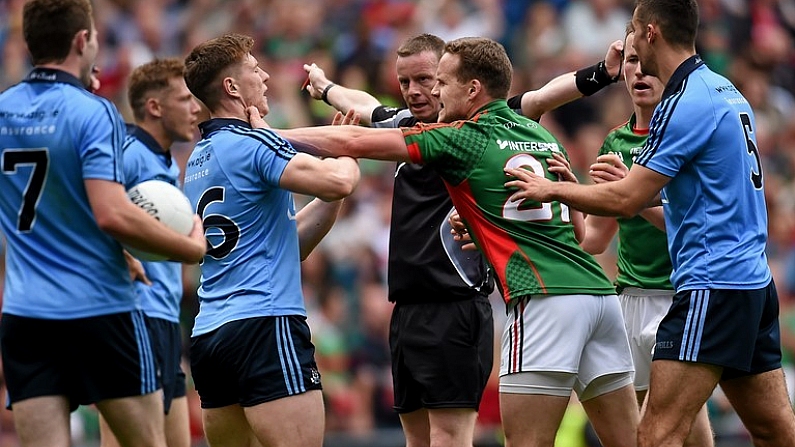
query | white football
(166,203)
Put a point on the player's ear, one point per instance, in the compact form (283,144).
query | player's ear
(230,86)
(651,32)
(152,106)
(475,87)
(80,41)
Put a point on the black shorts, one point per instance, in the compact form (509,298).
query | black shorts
(735,329)
(442,353)
(166,339)
(252,361)
(86,359)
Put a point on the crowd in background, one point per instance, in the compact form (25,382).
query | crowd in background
(749,41)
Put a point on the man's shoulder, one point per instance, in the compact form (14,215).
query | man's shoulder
(391,117)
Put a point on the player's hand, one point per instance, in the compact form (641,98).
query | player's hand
(608,168)
(351,118)
(528,185)
(136,269)
(197,234)
(560,166)
(255,118)
(94,83)
(460,232)
(614,58)
(316,80)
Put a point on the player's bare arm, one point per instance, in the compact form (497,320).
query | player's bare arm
(610,168)
(328,179)
(563,89)
(133,226)
(315,219)
(341,98)
(625,198)
(351,141)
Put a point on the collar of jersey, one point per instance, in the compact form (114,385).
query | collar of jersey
(215,124)
(40,74)
(149,141)
(495,106)
(684,69)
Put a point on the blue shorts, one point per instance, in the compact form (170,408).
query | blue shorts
(735,329)
(256,360)
(166,339)
(86,359)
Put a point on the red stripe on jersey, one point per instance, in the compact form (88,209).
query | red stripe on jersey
(499,246)
(424,127)
(414,152)
(414,148)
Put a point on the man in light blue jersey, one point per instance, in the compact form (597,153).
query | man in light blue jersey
(701,155)
(71,332)
(165,111)
(252,357)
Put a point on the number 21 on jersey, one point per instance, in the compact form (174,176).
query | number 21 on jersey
(518,210)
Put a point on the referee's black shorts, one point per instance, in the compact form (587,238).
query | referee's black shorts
(442,353)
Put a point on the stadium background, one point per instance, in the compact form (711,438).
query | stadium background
(750,41)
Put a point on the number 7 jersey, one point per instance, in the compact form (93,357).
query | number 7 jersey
(54,135)
(530,245)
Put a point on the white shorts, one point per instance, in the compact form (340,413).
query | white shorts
(643,310)
(578,334)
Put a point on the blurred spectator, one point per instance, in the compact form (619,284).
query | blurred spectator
(750,41)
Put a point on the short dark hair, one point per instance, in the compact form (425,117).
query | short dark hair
(152,77)
(209,60)
(420,43)
(485,60)
(677,19)
(49,26)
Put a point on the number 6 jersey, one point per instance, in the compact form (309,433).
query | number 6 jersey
(252,265)
(530,245)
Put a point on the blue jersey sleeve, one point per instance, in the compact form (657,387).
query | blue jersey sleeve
(134,163)
(270,156)
(102,135)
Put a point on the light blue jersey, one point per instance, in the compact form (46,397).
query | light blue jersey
(53,136)
(144,160)
(252,265)
(703,136)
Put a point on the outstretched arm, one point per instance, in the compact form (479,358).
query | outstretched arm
(352,141)
(341,98)
(573,85)
(625,197)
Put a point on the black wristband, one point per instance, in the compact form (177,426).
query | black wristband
(592,79)
(324,95)
(515,102)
